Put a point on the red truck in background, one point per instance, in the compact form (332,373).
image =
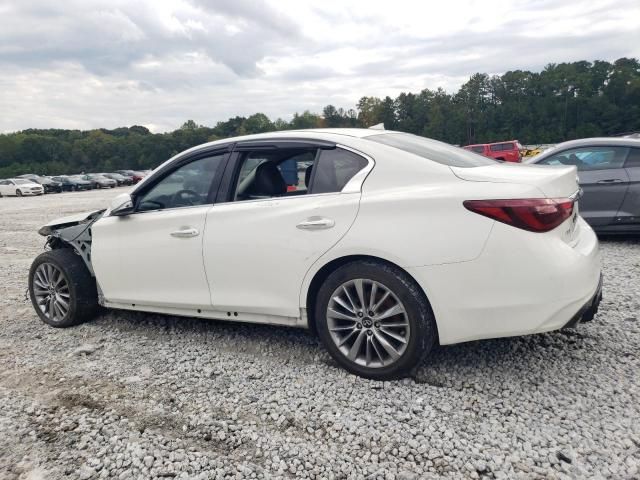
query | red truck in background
(506,151)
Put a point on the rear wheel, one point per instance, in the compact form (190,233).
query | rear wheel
(374,320)
(62,290)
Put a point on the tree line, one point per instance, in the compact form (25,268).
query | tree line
(562,102)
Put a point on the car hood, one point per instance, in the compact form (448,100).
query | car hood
(69,221)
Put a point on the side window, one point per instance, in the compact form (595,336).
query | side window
(633,159)
(186,186)
(507,146)
(334,169)
(496,148)
(589,158)
(274,173)
(478,149)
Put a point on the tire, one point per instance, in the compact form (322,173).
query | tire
(18,193)
(81,295)
(419,335)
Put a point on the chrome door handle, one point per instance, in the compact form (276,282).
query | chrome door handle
(611,180)
(186,233)
(316,223)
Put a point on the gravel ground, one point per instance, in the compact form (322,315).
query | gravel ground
(134,395)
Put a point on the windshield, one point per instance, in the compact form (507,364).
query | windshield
(432,150)
(22,182)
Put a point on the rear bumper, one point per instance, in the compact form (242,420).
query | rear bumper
(522,283)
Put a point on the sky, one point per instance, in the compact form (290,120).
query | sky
(85,64)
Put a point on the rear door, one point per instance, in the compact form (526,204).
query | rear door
(267,232)
(602,177)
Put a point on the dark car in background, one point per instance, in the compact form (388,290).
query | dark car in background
(72,183)
(99,181)
(49,185)
(609,175)
(120,179)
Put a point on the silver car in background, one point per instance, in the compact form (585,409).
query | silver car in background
(609,175)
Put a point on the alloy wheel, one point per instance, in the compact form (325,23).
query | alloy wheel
(51,290)
(368,323)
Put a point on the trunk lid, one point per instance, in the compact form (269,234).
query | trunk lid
(552,181)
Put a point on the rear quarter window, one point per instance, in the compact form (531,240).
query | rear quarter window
(434,150)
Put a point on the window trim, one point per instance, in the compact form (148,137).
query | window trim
(561,152)
(232,170)
(157,176)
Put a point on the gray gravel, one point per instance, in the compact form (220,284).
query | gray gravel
(134,395)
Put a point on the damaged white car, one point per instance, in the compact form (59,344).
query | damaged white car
(383,243)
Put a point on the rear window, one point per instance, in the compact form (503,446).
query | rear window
(432,150)
(477,149)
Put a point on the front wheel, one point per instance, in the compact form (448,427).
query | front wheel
(62,290)
(374,320)
(18,193)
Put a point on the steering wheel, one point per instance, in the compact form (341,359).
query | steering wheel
(185,197)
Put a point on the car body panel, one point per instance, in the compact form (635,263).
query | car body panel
(131,271)
(248,279)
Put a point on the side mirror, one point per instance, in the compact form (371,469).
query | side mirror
(122,205)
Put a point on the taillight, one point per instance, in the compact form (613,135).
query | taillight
(532,214)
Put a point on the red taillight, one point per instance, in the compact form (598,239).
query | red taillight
(532,214)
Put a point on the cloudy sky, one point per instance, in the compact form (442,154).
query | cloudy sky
(108,63)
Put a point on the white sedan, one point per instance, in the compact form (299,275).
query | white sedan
(382,243)
(20,187)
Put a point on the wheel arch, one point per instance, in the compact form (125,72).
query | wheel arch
(328,268)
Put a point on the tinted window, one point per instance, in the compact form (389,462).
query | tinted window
(334,169)
(633,160)
(186,186)
(589,158)
(496,148)
(478,149)
(507,146)
(274,173)
(432,150)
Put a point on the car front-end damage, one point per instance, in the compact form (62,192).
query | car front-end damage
(72,232)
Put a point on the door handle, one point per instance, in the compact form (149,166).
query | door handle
(611,180)
(185,232)
(316,223)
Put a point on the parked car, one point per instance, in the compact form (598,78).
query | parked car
(70,183)
(389,244)
(504,151)
(609,175)
(99,181)
(19,187)
(136,176)
(120,179)
(50,186)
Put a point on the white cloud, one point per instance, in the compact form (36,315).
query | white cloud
(107,63)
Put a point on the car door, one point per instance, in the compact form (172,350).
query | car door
(4,187)
(602,177)
(153,256)
(262,239)
(629,212)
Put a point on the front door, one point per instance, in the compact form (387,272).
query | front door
(261,242)
(153,257)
